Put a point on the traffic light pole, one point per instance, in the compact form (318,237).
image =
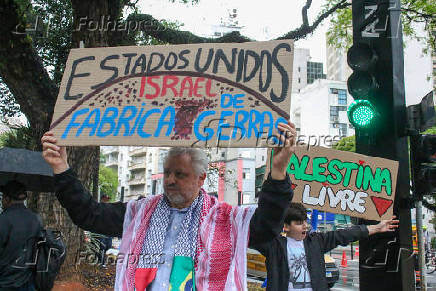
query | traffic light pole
(421,249)
(386,261)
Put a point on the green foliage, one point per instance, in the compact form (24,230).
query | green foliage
(340,33)
(142,38)
(346,144)
(431,130)
(49,26)
(20,137)
(108,182)
(8,106)
(54,29)
(412,12)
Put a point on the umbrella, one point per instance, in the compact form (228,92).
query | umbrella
(27,167)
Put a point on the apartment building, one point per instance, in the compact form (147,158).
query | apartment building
(320,110)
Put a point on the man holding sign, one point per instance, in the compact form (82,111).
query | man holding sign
(183,239)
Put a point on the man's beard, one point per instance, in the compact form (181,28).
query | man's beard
(175,199)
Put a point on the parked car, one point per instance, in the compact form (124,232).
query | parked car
(256,267)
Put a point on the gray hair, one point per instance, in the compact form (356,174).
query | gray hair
(199,158)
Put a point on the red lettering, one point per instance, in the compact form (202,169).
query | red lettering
(155,86)
(142,89)
(168,83)
(208,87)
(197,86)
(183,87)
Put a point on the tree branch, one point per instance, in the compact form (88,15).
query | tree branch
(426,16)
(21,68)
(304,12)
(154,28)
(306,29)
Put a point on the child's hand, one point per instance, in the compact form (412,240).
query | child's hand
(384,226)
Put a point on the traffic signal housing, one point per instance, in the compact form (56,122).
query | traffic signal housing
(423,160)
(363,86)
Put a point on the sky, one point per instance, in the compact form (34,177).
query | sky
(266,20)
(261,20)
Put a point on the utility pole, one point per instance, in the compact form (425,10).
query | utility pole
(421,250)
(379,117)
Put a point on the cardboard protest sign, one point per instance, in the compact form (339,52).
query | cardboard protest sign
(175,95)
(343,182)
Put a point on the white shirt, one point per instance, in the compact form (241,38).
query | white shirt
(299,278)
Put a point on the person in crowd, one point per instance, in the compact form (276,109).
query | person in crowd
(296,261)
(19,229)
(184,239)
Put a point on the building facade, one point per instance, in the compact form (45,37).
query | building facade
(337,67)
(322,112)
(117,158)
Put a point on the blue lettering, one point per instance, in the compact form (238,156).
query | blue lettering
(123,120)
(223,100)
(72,121)
(209,131)
(87,124)
(162,122)
(141,132)
(138,118)
(222,124)
(240,124)
(253,121)
(270,124)
(237,100)
(108,118)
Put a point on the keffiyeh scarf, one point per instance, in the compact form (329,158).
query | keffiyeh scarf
(212,241)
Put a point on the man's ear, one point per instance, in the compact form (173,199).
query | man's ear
(286,227)
(201,179)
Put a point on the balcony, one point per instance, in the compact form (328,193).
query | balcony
(110,149)
(138,151)
(137,181)
(139,164)
(111,162)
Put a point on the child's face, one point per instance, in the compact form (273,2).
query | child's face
(296,230)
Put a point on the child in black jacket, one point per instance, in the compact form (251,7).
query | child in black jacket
(296,262)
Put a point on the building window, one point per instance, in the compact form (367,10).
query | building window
(342,129)
(333,91)
(299,80)
(246,173)
(299,69)
(334,113)
(342,97)
(314,72)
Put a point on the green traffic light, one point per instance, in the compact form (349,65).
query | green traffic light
(361,114)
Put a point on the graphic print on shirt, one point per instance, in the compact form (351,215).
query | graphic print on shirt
(299,274)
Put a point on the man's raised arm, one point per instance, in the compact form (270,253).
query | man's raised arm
(104,218)
(267,221)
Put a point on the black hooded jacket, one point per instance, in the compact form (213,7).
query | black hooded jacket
(19,227)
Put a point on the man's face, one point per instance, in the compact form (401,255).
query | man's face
(296,230)
(181,183)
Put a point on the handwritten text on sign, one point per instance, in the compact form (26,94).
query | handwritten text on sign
(208,94)
(343,182)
